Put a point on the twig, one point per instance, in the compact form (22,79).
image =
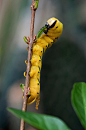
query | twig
(24,108)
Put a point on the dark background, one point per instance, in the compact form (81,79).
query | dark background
(63,64)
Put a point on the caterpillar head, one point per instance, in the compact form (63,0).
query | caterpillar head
(50,24)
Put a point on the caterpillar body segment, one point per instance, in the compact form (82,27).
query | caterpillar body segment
(41,42)
(36,60)
(37,50)
(35,91)
(48,40)
(53,38)
(52,30)
(35,72)
(55,35)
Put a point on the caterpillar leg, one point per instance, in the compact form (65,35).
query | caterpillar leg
(26,62)
(25,73)
(35,72)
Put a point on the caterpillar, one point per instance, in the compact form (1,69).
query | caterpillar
(52,30)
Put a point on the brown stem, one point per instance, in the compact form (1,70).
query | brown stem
(24,108)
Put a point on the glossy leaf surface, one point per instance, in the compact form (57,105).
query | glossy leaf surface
(79,101)
(40,121)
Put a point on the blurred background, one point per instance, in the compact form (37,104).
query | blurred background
(63,64)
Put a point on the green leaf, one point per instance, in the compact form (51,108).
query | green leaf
(25,39)
(22,86)
(78,98)
(40,121)
(36,4)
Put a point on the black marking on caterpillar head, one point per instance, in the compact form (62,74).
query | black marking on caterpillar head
(57,27)
(37,93)
(53,24)
(47,24)
(38,71)
(38,83)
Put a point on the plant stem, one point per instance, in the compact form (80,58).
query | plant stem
(24,108)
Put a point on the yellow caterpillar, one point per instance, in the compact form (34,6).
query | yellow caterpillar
(53,30)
